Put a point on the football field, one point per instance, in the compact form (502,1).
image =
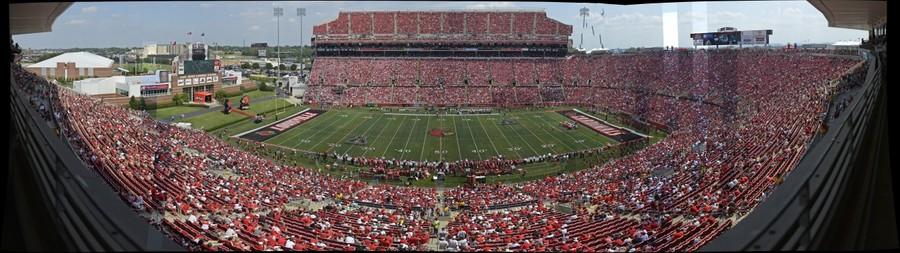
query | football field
(366,133)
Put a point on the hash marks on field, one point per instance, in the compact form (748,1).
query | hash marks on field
(424,138)
(544,124)
(468,141)
(474,141)
(405,150)
(392,138)
(509,145)
(484,130)
(336,143)
(378,138)
(369,122)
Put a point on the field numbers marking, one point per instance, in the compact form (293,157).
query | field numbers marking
(548,145)
(479,151)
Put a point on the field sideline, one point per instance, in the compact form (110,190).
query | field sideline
(408,137)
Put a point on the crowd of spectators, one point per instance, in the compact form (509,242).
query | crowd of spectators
(715,164)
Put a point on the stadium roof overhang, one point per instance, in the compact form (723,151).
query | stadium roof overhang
(27,18)
(852,14)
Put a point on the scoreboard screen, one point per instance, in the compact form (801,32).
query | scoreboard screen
(731,38)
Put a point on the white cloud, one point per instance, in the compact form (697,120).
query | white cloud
(491,5)
(76,22)
(252,13)
(254,28)
(292,20)
(631,19)
(92,9)
(206,5)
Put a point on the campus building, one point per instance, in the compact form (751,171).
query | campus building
(73,65)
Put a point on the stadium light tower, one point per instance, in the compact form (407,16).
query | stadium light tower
(600,34)
(584,13)
(301,12)
(278,13)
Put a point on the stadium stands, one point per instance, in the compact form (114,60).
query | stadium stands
(446,26)
(716,164)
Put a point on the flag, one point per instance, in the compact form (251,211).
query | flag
(592,30)
(202,34)
(189,33)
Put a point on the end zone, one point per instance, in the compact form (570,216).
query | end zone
(272,129)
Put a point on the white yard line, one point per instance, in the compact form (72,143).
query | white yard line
(384,126)
(422,153)
(334,132)
(349,147)
(527,143)
(473,139)
(388,147)
(441,139)
(507,139)
(489,137)
(458,148)
(432,115)
(540,125)
(405,145)
(539,138)
(354,130)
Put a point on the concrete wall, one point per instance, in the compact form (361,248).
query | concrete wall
(58,72)
(115,99)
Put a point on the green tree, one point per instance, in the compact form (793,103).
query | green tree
(269,65)
(245,65)
(177,99)
(281,67)
(132,103)
(262,86)
(293,67)
(255,65)
(220,95)
(143,103)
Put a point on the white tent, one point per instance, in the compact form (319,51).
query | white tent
(81,59)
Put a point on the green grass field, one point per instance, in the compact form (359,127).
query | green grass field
(247,125)
(253,95)
(408,137)
(166,113)
(213,120)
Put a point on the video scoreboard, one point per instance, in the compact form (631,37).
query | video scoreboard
(751,37)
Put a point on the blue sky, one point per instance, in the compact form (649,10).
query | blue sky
(133,24)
